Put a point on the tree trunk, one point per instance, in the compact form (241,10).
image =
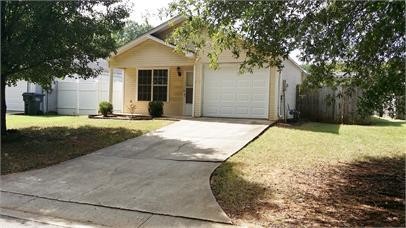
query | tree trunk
(3,105)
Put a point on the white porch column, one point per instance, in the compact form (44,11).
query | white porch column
(197,89)
(111,84)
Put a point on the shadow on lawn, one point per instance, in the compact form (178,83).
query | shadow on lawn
(335,128)
(38,116)
(36,147)
(364,193)
(373,191)
(379,122)
(237,196)
(318,127)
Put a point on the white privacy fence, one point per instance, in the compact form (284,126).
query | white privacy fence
(71,96)
(82,97)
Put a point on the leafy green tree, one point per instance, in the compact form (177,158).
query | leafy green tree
(41,41)
(131,31)
(363,38)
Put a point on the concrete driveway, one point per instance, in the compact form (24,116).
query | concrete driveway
(165,172)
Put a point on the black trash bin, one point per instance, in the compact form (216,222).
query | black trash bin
(32,103)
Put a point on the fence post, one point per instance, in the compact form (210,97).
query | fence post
(77,97)
(98,93)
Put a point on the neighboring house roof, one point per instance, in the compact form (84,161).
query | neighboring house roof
(297,65)
(162,27)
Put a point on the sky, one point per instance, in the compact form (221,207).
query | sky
(149,9)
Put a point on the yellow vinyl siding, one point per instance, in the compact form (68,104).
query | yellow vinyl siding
(150,54)
(174,105)
(130,88)
(225,57)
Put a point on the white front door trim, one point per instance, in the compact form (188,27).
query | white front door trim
(188,107)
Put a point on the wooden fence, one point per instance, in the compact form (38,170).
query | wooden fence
(329,105)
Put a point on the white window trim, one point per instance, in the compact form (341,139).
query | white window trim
(193,88)
(184,84)
(152,82)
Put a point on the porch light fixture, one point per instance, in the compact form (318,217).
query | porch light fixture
(179,72)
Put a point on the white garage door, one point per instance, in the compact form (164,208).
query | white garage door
(226,93)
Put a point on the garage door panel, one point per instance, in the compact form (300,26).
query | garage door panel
(227,97)
(226,93)
(258,111)
(242,110)
(259,84)
(244,84)
(227,110)
(259,98)
(244,97)
(212,110)
(259,91)
(227,84)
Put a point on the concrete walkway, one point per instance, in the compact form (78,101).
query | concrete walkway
(164,174)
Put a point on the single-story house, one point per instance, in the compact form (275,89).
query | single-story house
(188,87)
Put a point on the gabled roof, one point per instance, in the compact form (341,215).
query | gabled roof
(148,35)
(297,65)
(140,40)
(162,27)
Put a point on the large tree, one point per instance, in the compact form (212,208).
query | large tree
(364,38)
(131,31)
(41,41)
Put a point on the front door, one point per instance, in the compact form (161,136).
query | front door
(188,101)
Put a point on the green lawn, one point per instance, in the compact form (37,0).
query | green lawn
(318,174)
(40,141)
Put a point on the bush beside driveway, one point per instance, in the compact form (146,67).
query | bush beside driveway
(40,141)
(318,175)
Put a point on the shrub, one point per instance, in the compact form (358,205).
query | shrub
(132,107)
(156,108)
(105,108)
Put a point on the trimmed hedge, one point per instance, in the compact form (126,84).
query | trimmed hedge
(156,108)
(105,108)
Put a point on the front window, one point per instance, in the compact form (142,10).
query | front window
(160,85)
(144,85)
(153,82)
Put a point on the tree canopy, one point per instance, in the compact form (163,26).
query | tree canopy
(41,41)
(131,31)
(363,38)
